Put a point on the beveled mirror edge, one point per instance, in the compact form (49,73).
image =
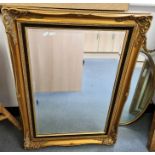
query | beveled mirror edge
(10,16)
(109,110)
(151,87)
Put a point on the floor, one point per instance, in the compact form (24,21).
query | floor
(130,138)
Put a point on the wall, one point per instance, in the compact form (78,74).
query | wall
(7,86)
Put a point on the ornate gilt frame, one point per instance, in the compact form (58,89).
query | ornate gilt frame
(16,18)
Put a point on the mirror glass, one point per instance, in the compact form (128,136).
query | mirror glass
(73,72)
(137,102)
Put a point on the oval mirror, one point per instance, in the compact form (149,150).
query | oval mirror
(141,88)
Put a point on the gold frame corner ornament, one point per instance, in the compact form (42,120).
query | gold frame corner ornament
(29,144)
(9,17)
(14,19)
(143,23)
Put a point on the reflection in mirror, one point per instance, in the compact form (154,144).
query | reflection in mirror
(73,74)
(140,91)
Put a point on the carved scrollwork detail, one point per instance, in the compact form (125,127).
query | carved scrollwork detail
(27,141)
(108,141)
(9,17)
(143,23)
(28,144)
(9,25)
(113,134)
(111,139)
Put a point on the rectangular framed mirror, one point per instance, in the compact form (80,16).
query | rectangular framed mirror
(68,84)
(72,71)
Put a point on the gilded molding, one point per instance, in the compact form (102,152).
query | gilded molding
(9,17)
(113,133)
(14,16)
(108,141)
(9,25)
(143,23)
(27,141)
(111,138)
(28,144)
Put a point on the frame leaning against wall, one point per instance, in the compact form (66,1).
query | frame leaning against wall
(17,19)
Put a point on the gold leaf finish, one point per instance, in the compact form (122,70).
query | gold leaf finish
(143,23)
(14,19)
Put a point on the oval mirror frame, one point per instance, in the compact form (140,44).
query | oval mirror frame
(151,86)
